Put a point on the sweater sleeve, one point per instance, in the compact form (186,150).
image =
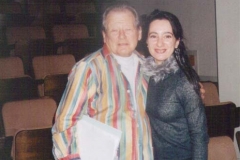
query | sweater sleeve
(196,118)
(78,93)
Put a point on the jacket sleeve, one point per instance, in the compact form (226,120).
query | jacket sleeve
(196,119)
(77,95)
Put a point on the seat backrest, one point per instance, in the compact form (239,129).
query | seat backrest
(29,114)
(221,148)
(31,49)
(222,119)
(52,64)
(33,144)
(11,67)
(10,7)
(52,8)
(211,94)
(36,9)
(19,38)
(54,86)
(70,31)
(81,47)
(74,8)
(17,89)
(23,34)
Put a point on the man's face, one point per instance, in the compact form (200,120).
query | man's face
(121,34)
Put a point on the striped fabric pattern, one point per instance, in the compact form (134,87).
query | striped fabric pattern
(96,86)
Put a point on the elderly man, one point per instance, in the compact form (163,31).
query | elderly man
(109,86)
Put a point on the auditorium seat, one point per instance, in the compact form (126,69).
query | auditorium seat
(222,117)
(27,114)
(14,83)
(221,148)
(22,34)
(20,38)
(84,13)
(81,47)
(33,144)
(16,89)
(54,86)
(66,32)
(51,65)
(31,113)
(11,67)
(10,7)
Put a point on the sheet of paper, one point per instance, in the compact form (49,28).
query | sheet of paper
(96,140)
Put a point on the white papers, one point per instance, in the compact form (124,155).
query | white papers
(96,140)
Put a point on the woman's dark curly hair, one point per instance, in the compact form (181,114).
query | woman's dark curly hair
(180,55)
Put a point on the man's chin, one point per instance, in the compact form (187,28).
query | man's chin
(125,53)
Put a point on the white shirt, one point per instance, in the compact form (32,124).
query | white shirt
(129,69)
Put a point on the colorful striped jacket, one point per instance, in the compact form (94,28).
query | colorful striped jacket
(97,86)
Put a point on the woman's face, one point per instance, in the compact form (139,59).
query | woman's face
(161,41)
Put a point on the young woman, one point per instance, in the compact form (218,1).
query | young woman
(174,104)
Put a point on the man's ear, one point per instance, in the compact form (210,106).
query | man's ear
(139,33)
(104,36)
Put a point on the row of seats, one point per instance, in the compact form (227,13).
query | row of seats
(50,79)
(30,41)
(43,76)
(23,34)
(29,103)
(44,27)
(33,7)
(46,12)
(45,69)
(220,119)
(19,36)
